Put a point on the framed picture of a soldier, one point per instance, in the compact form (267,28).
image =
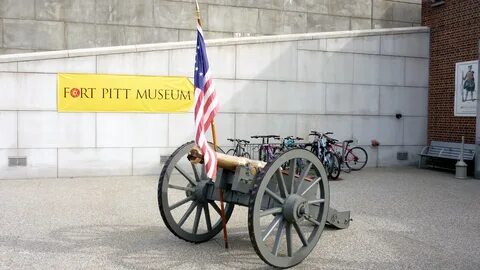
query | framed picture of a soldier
(466,88)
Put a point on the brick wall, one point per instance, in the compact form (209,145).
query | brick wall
(454,37)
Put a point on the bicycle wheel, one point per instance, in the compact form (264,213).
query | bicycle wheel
(246,155)
(231,152)
(356,158)
(333,165)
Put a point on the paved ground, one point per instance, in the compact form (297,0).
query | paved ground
(403,218)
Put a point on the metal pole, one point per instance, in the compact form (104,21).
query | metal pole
(477,132)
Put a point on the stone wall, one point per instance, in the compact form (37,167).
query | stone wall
(351,83)
(39,25)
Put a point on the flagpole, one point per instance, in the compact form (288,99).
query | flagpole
(214,137)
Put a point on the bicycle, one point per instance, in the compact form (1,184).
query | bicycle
(239,148)
(266,152)
(322,147)
(354,158)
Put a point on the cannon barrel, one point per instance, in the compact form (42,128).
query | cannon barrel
(227,162)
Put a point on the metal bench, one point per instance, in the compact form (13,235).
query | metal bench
(445,150)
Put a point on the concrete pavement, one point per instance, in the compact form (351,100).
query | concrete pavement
(403,218)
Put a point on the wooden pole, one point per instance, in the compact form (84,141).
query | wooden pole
(214,137)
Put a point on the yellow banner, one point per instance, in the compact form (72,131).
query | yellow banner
(123,93)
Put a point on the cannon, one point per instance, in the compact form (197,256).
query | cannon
(288,201)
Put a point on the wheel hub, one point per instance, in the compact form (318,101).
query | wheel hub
(295,208)
(200,193)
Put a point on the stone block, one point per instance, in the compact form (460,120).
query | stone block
(52,129)
(109,35)
(86,64)
(221,60)
(80,35)
(8,125)
(296,97)
(415,45)
(382,10)
(317,6)
(390,130)
(144,63)
(178,15)
(28,91)
(132,130)
(75,162)
(367,44)
(311,45)
(187,35)
(240,19)
(352,99)
(409,101)
(387,155)
(295,5)
(406,12)
(41,163)
(9,67)
(416,72)
(415,131)
(146,161)
(14,51)
(18,9)
(1,33)
(379,24)
(65,10)
(242,96)
(138,12)
(270,21)
(326,23)
(144,35)
(307,123)
(365,129)
(360,24)
(267,61)
(379,70)
(372,153)
(340,125)
(356,8)
(318,66)
(25,34)
(247,125)
(294,22)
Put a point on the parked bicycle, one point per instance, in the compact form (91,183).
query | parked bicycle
(239,148)
(267,151)
(322,147)
(354,158)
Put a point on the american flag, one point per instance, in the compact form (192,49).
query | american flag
(206,104)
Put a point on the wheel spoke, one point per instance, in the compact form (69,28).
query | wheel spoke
(314,221)
(278,238)
(215,206)
(271,226)
(288,232)
(193,182)
(311,185)
(281,183)
(197,219)
(303,175)
(271,211)
(292,170)
(195,172)
(177,204)
(181,188)
(274,196)
(300,234)
(316,201)
(207,217)
(187,214)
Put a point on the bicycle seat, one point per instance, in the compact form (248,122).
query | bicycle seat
(230,139)
(348,141)
(245,141)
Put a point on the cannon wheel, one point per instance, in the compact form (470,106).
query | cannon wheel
(189,215)
(288,205)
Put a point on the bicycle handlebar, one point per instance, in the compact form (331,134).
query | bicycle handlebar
(265,136)
(238,140)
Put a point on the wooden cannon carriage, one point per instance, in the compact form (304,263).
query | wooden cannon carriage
(287,199)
